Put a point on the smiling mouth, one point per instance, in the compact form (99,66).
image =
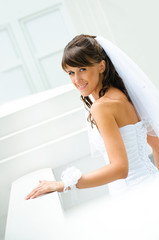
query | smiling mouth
(81,87)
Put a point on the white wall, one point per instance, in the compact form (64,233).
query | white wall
(131,25)
(32,37)
(33,65)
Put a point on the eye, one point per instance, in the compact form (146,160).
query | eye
(70,73)
(82,69)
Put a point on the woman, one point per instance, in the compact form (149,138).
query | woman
(122,126)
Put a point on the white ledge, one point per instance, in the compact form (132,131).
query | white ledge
(38,218)
(25,102)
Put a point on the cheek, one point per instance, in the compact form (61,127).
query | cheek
(72,79)
(95,77)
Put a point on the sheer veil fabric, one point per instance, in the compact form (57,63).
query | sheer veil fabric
(143,93)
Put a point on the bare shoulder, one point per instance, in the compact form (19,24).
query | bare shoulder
(115,105)
(103,112)
(104,106)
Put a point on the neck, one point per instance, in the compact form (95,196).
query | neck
(95,95)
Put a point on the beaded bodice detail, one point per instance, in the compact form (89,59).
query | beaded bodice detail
(140,165)
(135,140)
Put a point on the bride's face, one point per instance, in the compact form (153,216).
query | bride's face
(88,80)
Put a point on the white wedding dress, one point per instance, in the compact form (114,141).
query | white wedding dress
(140,166)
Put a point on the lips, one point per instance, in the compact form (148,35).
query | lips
(81,87)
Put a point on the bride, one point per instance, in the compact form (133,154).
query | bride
(123,107)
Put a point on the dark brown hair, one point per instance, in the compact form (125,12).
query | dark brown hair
(84,51)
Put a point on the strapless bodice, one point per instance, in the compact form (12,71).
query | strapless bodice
(140,165)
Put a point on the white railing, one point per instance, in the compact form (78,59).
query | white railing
(45,130)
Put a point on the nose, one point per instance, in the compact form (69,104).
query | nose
(76,78)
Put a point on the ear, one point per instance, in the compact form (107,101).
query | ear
(102,66)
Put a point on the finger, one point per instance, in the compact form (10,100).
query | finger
(43,187)
(33,192)
(36,192)
(39,192)
(30,195)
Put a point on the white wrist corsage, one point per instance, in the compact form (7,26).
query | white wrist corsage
(70,177)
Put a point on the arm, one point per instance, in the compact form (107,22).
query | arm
(154,143)
(118,167)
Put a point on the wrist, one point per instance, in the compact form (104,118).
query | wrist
(79,183)
(60,186)
(70,177)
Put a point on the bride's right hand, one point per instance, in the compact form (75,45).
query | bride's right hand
(45,187)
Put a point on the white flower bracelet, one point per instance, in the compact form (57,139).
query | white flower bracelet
(70,177)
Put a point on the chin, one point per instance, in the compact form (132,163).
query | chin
(85,94)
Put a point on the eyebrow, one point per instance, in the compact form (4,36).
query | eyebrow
(73,71)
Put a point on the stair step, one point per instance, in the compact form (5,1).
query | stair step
(55,153)
(39,112)
(42,133)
